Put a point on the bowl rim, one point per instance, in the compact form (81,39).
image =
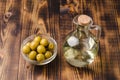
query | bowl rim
(29,38)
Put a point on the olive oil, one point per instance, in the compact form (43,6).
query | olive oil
(81,54)
(81,46)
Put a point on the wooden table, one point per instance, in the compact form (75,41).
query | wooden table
(18,19)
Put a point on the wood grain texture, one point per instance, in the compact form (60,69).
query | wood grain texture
(43,16)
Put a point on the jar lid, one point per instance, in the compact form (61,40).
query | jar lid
(84,20)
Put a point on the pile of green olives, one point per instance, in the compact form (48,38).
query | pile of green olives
(38,49)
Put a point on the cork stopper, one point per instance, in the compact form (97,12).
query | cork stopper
(84,20)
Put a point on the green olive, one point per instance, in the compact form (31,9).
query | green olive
(32,55)
(26,49)
(34,45)
(51,46)
(28,44)
(41,49)
(48,54)
(44,42)
(40,57)
(37,39)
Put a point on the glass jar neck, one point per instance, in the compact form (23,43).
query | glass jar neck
(82,28)
(83,31)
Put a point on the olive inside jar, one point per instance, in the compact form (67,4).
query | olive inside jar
(81,46)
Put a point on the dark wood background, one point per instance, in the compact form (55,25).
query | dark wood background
(18,19)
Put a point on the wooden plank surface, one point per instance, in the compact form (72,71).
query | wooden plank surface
(18,19)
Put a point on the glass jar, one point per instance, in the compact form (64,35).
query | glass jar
(81,45)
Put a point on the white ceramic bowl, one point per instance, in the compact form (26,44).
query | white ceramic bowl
(46,61)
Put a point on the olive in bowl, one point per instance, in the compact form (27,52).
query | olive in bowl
(39,49)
